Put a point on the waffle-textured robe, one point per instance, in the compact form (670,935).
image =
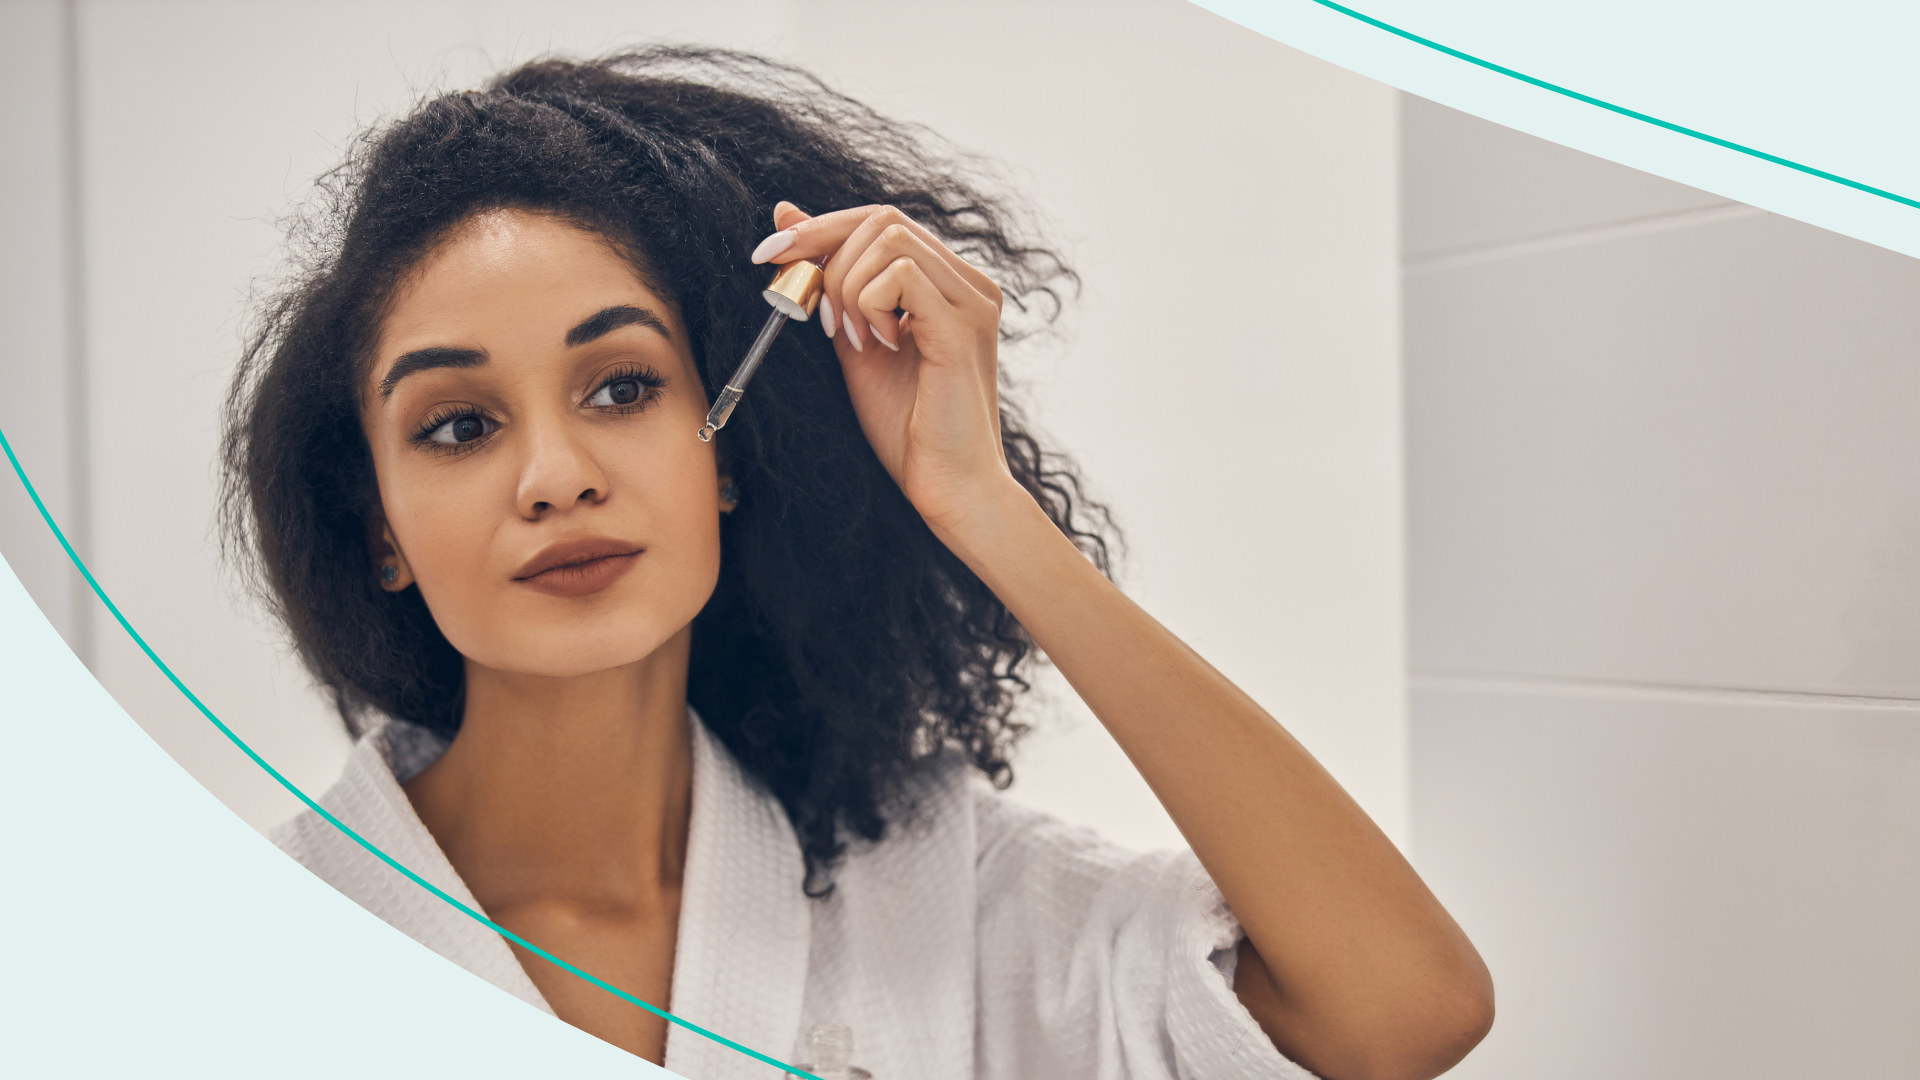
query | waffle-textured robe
(981,940)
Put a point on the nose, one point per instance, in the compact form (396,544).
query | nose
(560,472)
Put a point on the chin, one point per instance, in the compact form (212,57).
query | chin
(570,659)
(576,647)
(557,638)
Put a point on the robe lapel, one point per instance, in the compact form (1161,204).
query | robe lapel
(369,800)
(740,967)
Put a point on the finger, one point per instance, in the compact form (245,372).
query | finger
(895,241)
(845,255)
(814,238)
(902,283)
(976,280)
(844,236)
(803,237)
(786,215)
(879,241)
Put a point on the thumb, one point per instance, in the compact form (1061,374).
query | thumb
(786,215)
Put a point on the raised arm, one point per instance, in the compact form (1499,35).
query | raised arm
(1351,966)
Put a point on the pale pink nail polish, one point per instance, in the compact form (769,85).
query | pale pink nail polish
(882,339)
(826,316)
(853,335)
(774,245)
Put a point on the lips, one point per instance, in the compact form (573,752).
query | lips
(578,567)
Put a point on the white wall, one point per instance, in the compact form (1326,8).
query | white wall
(1664,532)
(1232,385)
(38,407)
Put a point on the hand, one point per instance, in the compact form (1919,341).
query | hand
(923,383)
(1352,967)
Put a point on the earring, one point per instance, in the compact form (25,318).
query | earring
(389,574)
(730,494)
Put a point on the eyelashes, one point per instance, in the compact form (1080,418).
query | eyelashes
(625,390)
(454,427)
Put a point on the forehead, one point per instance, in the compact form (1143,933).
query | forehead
(513,255)
(513,284)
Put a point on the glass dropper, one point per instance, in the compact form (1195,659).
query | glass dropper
(793,293)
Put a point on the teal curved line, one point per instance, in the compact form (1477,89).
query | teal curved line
(336,822)
(1610,107)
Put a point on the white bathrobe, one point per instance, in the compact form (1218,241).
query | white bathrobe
(985,940)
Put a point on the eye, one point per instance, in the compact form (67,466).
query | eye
(462,429)
(626,388)
(618,392)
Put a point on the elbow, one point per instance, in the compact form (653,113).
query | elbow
(1460,1024)
(1413,1024)
(1430,1038)
(1419,1038)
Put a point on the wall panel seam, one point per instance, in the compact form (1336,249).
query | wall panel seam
(1480,254)
(79,523)
(1428,679)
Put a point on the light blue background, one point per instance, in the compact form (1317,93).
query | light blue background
(152,933)
(1832,85)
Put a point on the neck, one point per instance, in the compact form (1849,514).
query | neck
(574,790)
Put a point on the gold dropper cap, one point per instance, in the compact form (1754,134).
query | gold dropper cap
(793,292)
(796,289)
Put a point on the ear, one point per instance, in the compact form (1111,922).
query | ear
(387,556)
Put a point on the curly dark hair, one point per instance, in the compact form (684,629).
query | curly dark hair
(844,644)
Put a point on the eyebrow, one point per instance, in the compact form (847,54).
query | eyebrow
(426,360)
(598,325)
(607,320)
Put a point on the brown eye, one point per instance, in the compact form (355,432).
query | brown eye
(462,429)
(618,392)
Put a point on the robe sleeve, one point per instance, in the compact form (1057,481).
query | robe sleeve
(1099,963)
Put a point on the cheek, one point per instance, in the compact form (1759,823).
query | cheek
(442,521)
(460,532)
(675,499)
(680,503)
(435,523)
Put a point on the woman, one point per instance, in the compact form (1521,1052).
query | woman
(713,722)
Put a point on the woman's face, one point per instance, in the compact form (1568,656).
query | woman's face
(531,410)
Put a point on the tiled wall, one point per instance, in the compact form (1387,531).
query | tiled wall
(1664,533)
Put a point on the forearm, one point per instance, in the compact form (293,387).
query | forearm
(1370,977)
(1366,967)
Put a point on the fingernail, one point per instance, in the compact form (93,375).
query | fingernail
(882,338)
(853,336)
(780,208)
(774,245)
(826,315)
